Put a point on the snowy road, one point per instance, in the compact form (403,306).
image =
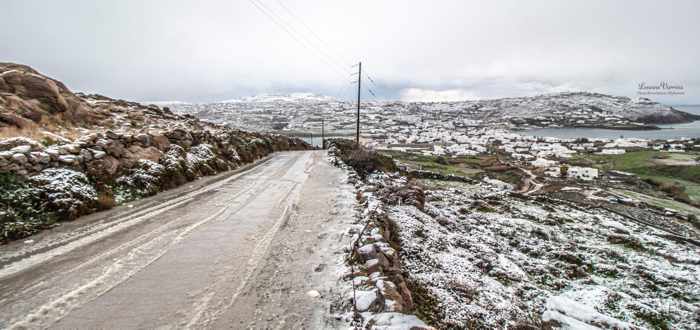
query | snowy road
(241,250)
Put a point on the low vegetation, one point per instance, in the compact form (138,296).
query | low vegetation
(362,160)
(471,167)
(459,166)
(682,182)
(21,210)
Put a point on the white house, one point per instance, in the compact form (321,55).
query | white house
(612,152)
(438,150)
(542,162)
(582,173)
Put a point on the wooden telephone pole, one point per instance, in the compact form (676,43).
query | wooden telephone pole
(359,85)
(323,134)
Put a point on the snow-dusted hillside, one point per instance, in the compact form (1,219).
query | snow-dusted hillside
(581,105)
(292,98)
(303,112)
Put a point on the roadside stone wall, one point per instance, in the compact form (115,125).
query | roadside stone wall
(42,185)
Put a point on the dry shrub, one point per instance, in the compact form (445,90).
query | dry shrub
(366,162)
(31,131)
(105,200)
(675,190)
(45,131)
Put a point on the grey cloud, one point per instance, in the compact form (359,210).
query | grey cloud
(211,50)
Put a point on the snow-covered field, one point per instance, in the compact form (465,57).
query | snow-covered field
(485,258)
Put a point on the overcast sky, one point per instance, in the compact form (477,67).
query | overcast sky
(199,51)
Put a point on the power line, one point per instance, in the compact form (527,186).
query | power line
(323,49)
(264,9)
(371,92)
(308,28)
(302,35)
(371,80)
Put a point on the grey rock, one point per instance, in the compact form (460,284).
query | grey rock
(112,147)
(367,252)
(53,153)
(112,135)
(40,157)
(21,149)
(86,154)
(68,159)
(20,158)
(72,148)
(90,138)
(143,139)
(6,154)
(8,144)
(98,154)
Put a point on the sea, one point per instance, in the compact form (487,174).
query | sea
(316,140)
(667,132)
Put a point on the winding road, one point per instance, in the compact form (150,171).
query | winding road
(245,249)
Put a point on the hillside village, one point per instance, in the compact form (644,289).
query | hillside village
(465,128)
(540,152)
(303,112)
(456,130)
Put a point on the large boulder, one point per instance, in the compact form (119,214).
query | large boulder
(112,147)
(140,153)
(180,137)
(161,142)
(25,93)
(102,169)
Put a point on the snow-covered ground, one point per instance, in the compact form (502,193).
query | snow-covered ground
(488,259)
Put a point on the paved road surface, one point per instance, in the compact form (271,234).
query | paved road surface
(236,251)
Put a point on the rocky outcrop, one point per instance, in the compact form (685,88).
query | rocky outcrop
(63,155)
(671,116)
(28,97)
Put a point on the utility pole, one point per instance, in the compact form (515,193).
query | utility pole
(323,135)
(359,85)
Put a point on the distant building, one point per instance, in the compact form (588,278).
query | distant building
(542,162)
(438,150)
(582,173)
(612,152)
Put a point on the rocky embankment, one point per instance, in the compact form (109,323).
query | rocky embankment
(380,296)
(65,154)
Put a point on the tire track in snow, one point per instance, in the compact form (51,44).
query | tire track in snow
(142,251)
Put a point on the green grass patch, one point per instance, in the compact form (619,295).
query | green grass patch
(459,166)
(645,165)
(660,202)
